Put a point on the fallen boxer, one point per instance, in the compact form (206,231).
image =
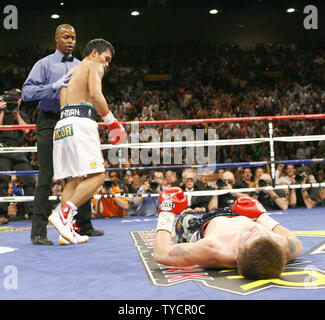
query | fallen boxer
(245,237)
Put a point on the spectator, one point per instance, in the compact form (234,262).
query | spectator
(271,199)
(56,190)
(137,181)
(189,184)
(279,172)
(148,206)
(288,175)
(171,179)
(305,197)
(258,172)
(129,188)
(10,114)
(247,179)
(115,206)
(225,200)
(15,209)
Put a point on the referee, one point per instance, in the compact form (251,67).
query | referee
(44,83)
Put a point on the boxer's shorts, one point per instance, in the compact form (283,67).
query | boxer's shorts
(76,148)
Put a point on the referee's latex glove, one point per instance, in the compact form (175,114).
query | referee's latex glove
(62,82)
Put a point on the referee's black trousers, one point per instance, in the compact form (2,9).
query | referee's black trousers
(46,122)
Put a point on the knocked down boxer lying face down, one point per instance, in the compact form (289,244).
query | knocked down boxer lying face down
(243,237)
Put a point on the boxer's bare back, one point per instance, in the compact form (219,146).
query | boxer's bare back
(77,90)
(222,239)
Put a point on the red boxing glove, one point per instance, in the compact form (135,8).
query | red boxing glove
(172,200)
(117,132)
(248,207)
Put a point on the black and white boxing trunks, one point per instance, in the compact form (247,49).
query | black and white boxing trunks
(189,228)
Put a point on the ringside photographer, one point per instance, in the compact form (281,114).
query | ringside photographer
(304,197)
(270,199)
(148,206)
(225,200)
(10,114)
(111,207)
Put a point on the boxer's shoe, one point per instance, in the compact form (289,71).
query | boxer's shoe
(81,239)
(64,225)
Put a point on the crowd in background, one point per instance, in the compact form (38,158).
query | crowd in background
(222,81)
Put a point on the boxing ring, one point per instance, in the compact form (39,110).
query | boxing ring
(119,265)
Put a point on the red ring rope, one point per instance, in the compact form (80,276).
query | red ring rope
(188,121)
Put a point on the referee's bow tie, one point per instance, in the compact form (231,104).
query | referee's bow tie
(66,58)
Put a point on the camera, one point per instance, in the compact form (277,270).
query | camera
(263,183)
(11,98)
(300,178)
(220,183)
(108,184)
(153,185)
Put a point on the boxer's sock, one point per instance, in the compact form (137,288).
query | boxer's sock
(72,206)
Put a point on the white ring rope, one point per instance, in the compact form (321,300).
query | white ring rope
(193,193)
(178,144)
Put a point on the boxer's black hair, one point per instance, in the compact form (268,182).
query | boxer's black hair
(100,45)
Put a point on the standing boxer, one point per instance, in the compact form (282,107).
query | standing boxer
(77,154)
(258,249)
(44,83)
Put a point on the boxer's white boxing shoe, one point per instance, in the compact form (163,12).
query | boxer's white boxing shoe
(81,239)
(62,221)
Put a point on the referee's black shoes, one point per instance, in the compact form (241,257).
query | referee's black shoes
(41,240)
(92,233)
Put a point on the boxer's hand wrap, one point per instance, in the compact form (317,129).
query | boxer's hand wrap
(172,202)
(267,221)
(248,207)
(115,128)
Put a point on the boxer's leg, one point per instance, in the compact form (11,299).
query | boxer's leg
(75,193)
(86,188)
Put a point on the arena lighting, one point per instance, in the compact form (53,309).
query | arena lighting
(135,13)
(290,10)
(213,11)
(55,16)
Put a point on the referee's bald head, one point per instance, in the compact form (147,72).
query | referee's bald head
(63,26)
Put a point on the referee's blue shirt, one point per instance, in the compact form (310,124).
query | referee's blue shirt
(38,85)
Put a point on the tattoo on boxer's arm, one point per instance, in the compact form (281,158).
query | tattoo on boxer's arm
(178,252)
(292,245)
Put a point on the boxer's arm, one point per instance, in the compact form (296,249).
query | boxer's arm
(292,245)
(95,88)
(202,253)
(35,87)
